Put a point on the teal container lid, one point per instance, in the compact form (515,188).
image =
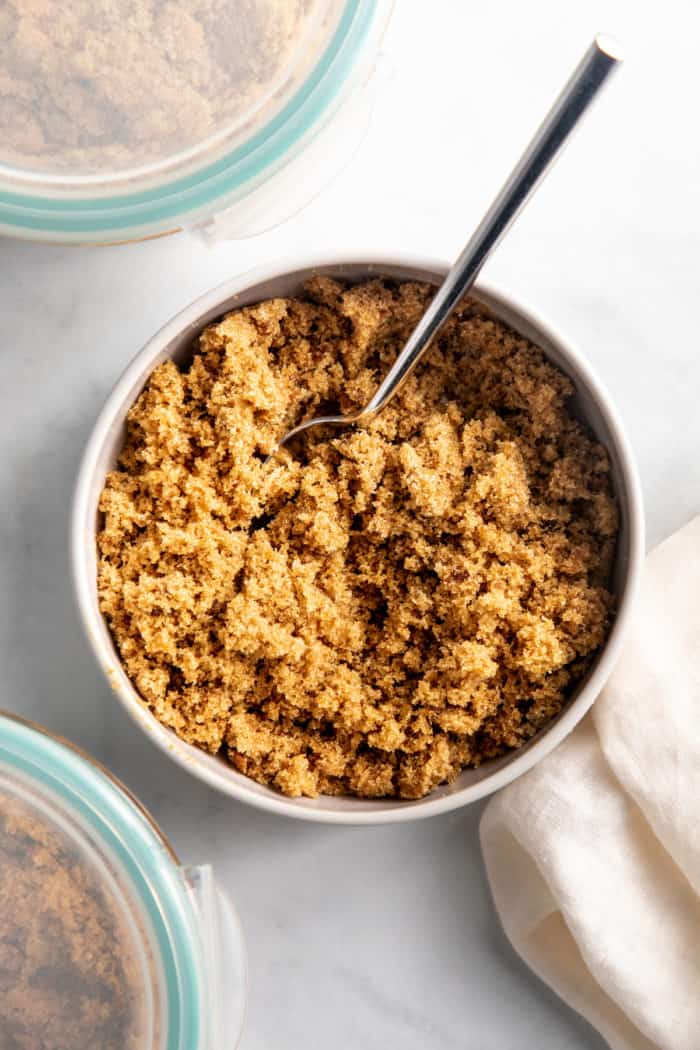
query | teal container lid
(100,914)
(89,152)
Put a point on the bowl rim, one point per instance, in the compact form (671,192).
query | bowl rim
(162,736)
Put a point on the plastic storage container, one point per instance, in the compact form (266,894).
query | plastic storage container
(125,119)
(105,940)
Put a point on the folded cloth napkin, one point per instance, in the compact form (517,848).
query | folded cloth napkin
(594,855)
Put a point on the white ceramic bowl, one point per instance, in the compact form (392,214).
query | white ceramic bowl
(591,403)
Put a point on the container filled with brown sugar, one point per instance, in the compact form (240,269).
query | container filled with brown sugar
(390,620)
(126,119)
(105,939)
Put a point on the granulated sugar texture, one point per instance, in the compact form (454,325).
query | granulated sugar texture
(390,604)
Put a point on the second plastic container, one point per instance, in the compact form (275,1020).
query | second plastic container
(122,120)
(105,940)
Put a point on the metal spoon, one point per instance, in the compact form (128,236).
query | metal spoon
(599,61)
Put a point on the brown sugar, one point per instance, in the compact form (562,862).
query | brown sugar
(67,979)
(387,606)
(94,84)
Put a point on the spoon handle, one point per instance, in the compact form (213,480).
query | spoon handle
(599,61)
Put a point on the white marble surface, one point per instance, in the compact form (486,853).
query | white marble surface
(377,938)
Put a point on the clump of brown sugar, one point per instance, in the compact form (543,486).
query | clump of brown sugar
(396,603)
(67,979)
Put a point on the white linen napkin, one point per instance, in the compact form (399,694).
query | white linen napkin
(594,855)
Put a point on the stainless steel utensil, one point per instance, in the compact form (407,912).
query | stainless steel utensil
(601,58)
